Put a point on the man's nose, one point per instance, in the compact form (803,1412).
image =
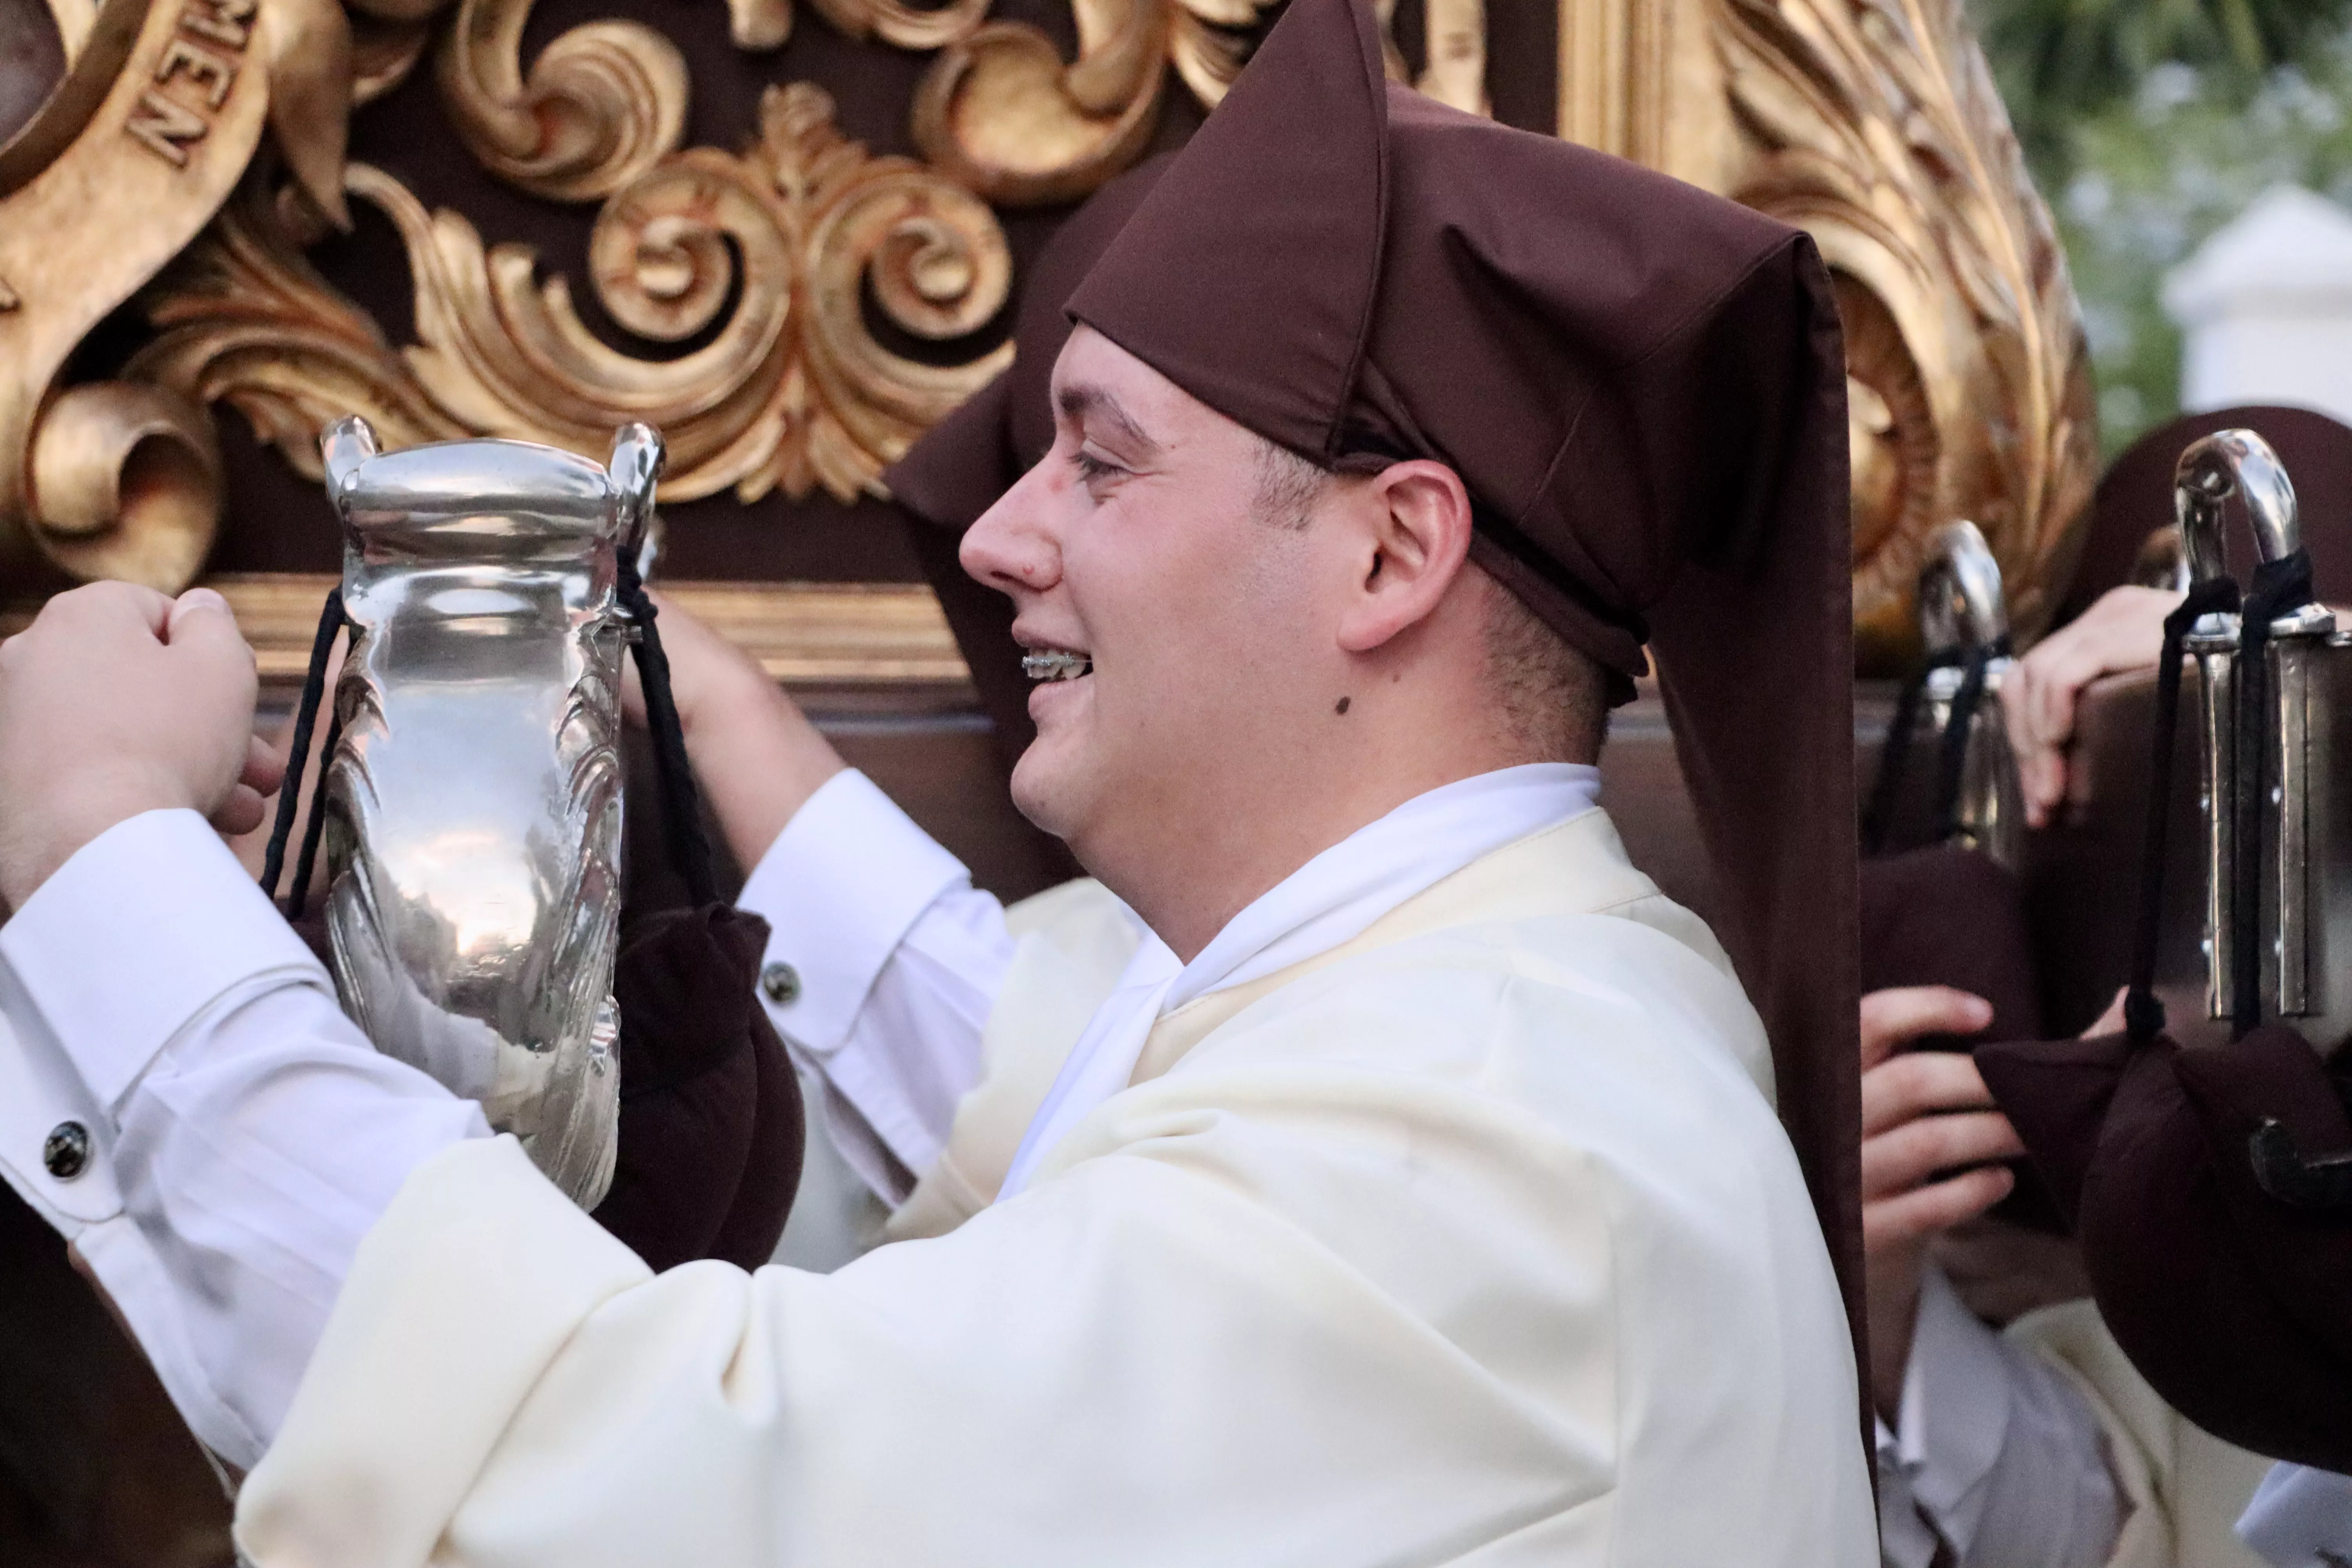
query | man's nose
(1013,547)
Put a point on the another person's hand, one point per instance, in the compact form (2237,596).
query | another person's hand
(1928,1128)
(756,756)
(2124,630)
(117,700)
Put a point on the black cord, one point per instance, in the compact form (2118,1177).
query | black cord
(681,802)
(2279,586)
(2143,1013)
(1957,728)
(1879,819)
(307,861)
(306,716)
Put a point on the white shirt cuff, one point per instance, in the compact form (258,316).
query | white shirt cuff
(839,889)
(148,924)
(2297,1515)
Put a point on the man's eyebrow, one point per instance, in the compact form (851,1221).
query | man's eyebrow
(1084,401)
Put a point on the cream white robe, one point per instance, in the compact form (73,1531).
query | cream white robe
(2184,1488)
(1474,1240)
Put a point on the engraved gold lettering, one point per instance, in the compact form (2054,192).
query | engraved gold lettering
(223,21)
(165,128)
(200,65)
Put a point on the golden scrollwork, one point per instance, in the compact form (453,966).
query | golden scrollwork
(126,475)
(108,479)
(1871,122)
(1876,125)
(245,321)
(1001,111)
(793,391)
(907,27)
(597,108)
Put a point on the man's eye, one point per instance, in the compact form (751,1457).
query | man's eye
(1091,467)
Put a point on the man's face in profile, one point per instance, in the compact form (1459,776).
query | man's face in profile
(1138,544)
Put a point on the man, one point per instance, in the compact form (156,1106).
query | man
(1412,1195)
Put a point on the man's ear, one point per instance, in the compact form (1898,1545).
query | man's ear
(1416,517)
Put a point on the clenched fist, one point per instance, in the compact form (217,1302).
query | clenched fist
(117,700)
(1928,1125)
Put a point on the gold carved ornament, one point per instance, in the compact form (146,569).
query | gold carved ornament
(1875,124)
(123,478)
(1872,123)
(793,392)
(160,105)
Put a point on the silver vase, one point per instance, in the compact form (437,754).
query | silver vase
(473,802)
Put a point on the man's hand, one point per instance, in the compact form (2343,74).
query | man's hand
(1923,1114)
(2123,630)
(117,700)
(757,756)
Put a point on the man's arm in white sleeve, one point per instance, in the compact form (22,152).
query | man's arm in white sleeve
(1995,1449)
(243,1134)
(881,968)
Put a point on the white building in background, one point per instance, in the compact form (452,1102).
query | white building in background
(2265,308)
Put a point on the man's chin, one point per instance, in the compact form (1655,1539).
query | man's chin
(1046,787)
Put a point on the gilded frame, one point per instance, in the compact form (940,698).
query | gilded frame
(1873,123)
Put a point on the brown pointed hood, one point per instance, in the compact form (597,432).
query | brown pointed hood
(1641,385)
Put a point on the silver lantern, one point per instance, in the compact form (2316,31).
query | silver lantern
(2271,782)
(472,802)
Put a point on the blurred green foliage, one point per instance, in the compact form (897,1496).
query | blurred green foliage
(2149,124)
(2059,60)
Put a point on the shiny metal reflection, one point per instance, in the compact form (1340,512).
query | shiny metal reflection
(2305,817)
(1962,609)
(473,804)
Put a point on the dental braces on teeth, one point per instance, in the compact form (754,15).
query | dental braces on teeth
(1056,664)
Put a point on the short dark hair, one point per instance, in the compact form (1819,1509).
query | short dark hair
(1554,697)
(1287,485)
(1554,700)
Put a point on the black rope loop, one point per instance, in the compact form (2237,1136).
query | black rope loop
(331,621)
(2143,1013)
(689,849)
(1957,728)
(1878,820)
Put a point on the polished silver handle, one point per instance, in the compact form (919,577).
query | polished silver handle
(1962,605)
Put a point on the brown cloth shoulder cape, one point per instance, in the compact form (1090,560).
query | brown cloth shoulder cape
(1643,387)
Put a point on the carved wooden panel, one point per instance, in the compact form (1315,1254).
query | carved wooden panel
(793,246)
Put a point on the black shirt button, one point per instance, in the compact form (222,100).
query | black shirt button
(65,1153)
